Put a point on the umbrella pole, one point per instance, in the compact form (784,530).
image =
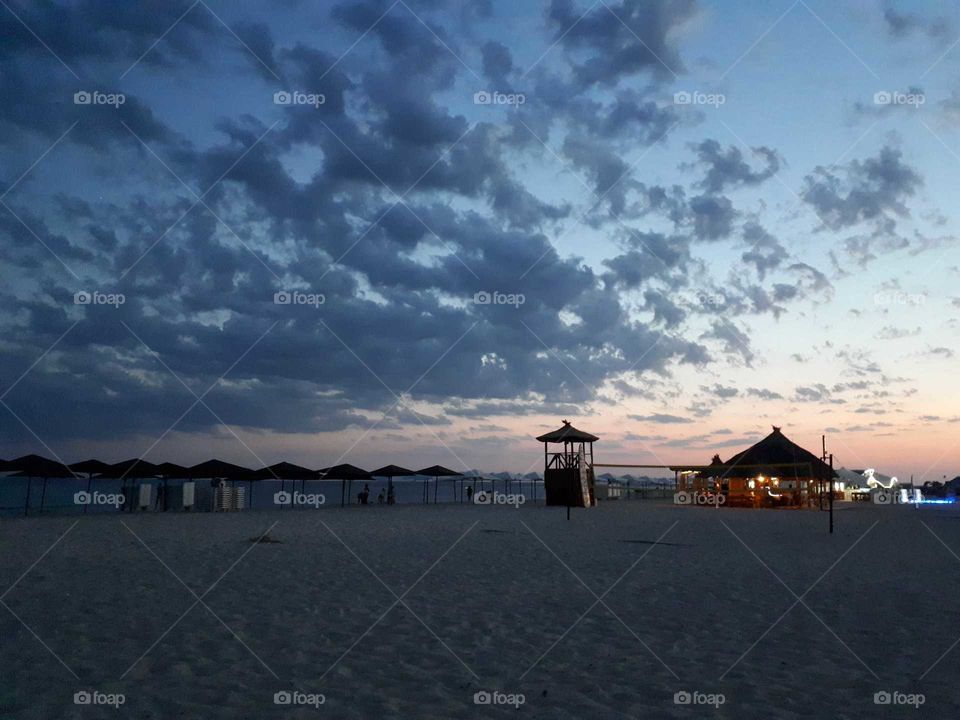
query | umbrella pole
(43,494)
(436,486)
(250,499)
(26,504)
(89,475)
(343,491)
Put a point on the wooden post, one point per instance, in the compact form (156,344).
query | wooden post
(43,494)
(831,493)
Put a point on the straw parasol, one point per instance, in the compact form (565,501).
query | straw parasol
(345,473)
(436,472)
(31,466)
(134,468)
(284,471)
(390,472)
(89,468)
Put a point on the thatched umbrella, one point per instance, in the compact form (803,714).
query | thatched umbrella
(166,471)
(437,472)
(134,468)
(345,473)
(219,470)
(284,471)
(390,472)
(89,468)
(31,466)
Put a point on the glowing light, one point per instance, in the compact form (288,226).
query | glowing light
(873,482)
(752,484)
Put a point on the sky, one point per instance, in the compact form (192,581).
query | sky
(425,232)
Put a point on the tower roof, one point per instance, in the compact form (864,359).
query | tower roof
(567,433)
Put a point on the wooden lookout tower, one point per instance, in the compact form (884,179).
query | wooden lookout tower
(568,473)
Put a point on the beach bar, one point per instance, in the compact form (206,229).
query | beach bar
(774,472)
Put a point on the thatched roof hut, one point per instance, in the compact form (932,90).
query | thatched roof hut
(776,449)
(567,433)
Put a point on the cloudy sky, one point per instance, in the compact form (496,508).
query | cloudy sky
(425,231)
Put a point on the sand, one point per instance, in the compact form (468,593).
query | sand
(491,599)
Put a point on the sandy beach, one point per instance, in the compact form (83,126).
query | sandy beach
(185,617)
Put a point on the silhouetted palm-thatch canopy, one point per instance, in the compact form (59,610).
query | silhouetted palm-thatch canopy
(90,467)
(438,471)
(346,474)
(38,466)
(219,469)
(345,471)
(171,470)
(132,468)
(775,449)
(392,471)
(567,433)
(285,471)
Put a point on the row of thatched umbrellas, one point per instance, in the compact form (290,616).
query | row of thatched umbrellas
(35,466)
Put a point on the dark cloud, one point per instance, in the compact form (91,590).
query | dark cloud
(866,190)
(902,25)
(619,40)
(727,168)
(662,419)
(763,394)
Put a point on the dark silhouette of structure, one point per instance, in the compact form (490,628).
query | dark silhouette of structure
(568,474)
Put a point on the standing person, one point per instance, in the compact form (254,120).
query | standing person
(365,495)
(380,498)
(161,500)
(391,497)
(469,493)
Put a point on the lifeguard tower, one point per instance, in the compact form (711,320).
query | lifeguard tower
(568,474)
